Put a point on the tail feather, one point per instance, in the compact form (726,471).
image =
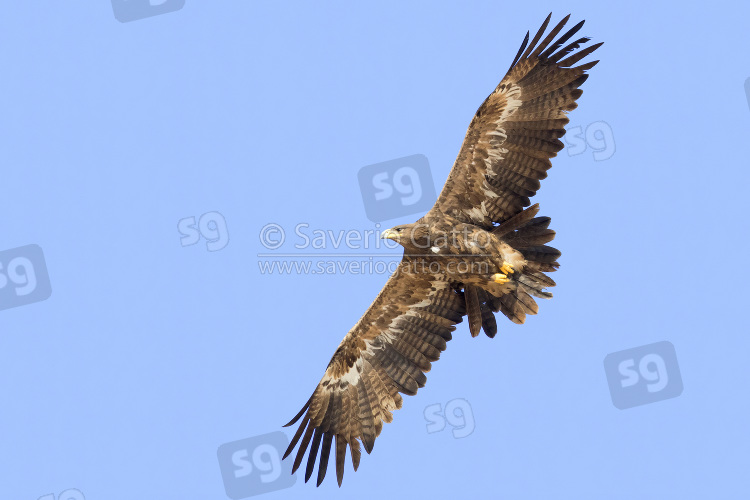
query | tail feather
(544,267)
(541,253)
(517,221)
(533,234)
(533,278)
(534,287)
(489,324)
(473,309)
(528,234)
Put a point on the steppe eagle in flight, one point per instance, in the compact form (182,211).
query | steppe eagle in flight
(480,250)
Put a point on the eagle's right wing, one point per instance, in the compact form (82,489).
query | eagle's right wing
(386,353)
(516,130)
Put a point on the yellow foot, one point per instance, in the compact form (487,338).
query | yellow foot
(507,268)
(500,278)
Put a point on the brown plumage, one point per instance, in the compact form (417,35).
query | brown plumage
(479,229)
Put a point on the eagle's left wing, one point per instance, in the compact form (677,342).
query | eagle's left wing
(516,130)
(384,354)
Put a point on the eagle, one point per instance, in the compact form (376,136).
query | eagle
(480,250)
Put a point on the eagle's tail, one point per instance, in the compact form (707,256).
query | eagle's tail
(528,234)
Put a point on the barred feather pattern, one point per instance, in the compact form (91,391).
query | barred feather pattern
(517,129)
(386,354)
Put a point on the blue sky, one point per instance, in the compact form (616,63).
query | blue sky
(160,343)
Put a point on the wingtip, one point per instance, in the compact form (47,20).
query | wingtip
(563,22)
(299,415)
(369,445)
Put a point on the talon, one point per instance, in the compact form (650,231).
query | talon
(507,268)
(500,278)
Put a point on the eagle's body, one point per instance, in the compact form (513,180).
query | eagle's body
(467,255)
(478,251)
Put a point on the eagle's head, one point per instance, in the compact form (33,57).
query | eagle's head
(414,236)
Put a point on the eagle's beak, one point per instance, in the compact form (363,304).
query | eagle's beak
(390,234)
